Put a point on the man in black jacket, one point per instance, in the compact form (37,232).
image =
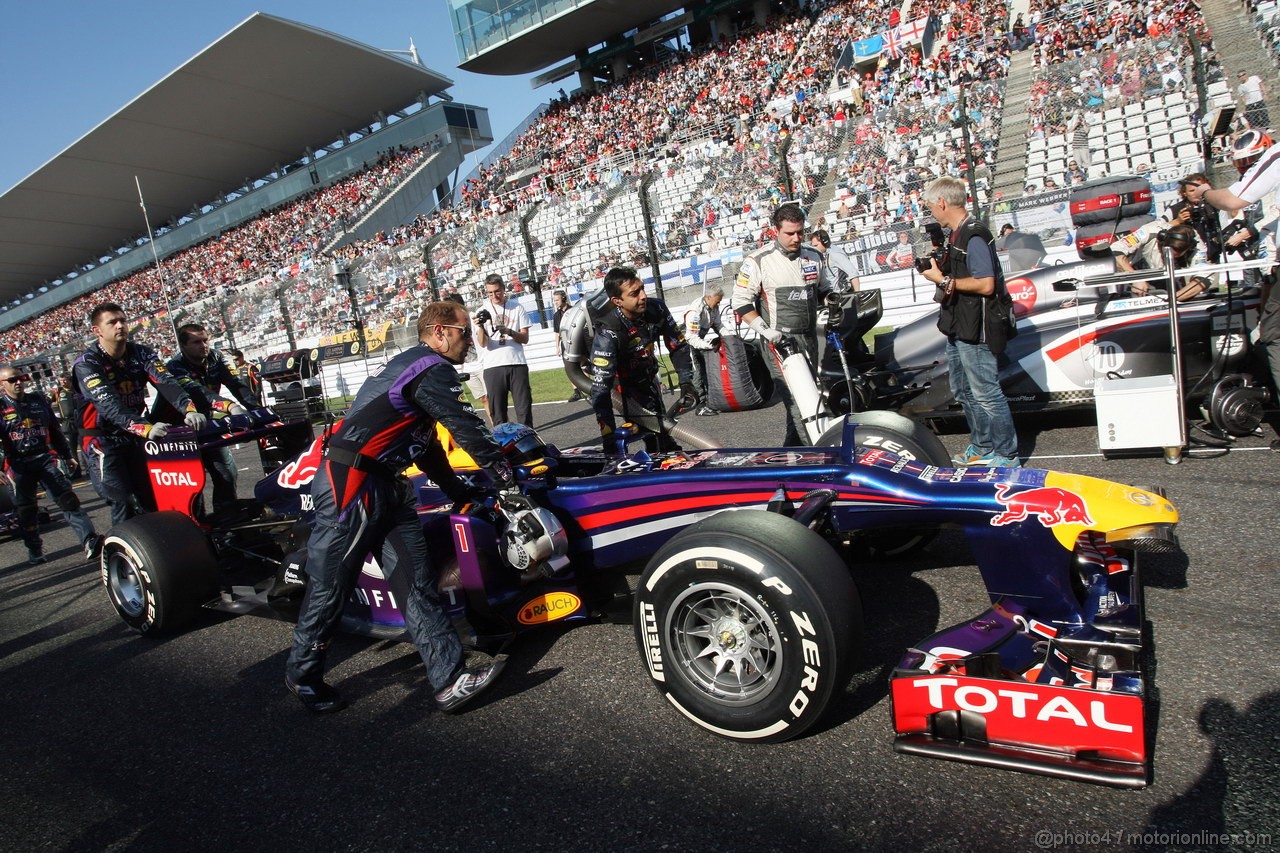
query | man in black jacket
(113,375)
(33,446)
(622,356)
(973,303)
(363,505)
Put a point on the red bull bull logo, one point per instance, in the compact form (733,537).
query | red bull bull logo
(302,470)
(1050,504)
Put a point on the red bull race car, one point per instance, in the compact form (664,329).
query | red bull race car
(744,570)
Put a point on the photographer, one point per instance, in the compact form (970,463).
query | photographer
(972,304)
(1199,216)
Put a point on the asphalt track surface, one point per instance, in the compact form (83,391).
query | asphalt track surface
(114,742)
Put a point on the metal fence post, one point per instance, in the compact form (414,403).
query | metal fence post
(647,215)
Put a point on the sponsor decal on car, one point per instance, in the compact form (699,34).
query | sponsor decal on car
(549,608)
(1050,504)
(1035,716)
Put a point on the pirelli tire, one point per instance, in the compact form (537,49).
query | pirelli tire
(902,436)
(749,624)
(158,569)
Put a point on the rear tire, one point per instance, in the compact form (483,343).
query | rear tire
(158,569)
(748,623)
(905,437)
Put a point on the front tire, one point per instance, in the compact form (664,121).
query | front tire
(748,623)
(158,569)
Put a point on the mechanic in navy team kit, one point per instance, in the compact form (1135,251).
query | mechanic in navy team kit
(622,356)
(33,447)
(113,375)
(202,371)
(364,505)
(776,294)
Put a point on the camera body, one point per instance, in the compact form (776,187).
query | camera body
(938,252)
(1203,219)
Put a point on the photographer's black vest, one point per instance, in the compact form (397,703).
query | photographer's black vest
(969,317)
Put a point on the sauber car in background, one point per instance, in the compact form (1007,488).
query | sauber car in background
(746,611)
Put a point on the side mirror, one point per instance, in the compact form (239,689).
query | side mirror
(1066,285)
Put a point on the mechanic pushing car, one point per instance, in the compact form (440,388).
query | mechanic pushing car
(622,354)
(776,294)
(33,446)
(203,371)
(113,375)
(363,505)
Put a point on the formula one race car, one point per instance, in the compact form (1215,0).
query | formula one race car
(746,612)
(1068,338)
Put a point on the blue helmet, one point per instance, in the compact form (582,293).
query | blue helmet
(520,444)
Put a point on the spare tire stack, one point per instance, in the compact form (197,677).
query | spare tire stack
(1107,209)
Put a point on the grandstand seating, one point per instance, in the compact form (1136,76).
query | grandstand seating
(710,129)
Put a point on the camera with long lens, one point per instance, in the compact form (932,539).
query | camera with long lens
(938,252)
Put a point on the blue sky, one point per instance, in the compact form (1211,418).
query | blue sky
(67,66)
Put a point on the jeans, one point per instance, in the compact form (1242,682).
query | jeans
(975,381)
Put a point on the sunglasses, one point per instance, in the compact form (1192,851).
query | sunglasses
(466,330)
(14,379)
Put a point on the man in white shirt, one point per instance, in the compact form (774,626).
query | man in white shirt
(1255,104)
(502,330)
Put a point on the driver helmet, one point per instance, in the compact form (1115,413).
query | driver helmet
(1248,147)
(520,444)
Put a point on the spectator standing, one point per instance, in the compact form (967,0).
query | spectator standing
(33,445)
(113,375)
(776,294)
(502,330)
(1255,103)
(969,291)
(363,506)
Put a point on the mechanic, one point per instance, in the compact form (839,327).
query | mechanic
(839,266)
(33,447)
(1148,254)
(202,371)
(505,368)
(970,295)
(113,375)
(364,505)
(776,294)
(560,301)
(69,402)
(622,356)
(250,373)
(702,323)
(1259,183)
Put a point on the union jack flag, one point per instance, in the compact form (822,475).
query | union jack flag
(893,42)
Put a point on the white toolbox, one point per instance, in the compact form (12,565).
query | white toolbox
(1138,413)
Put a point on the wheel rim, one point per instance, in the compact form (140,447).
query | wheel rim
(725,642)
(124,584)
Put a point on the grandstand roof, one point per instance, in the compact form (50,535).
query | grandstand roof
(566,32)
(252,100)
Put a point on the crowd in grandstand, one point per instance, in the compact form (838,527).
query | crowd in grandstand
(723,111)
